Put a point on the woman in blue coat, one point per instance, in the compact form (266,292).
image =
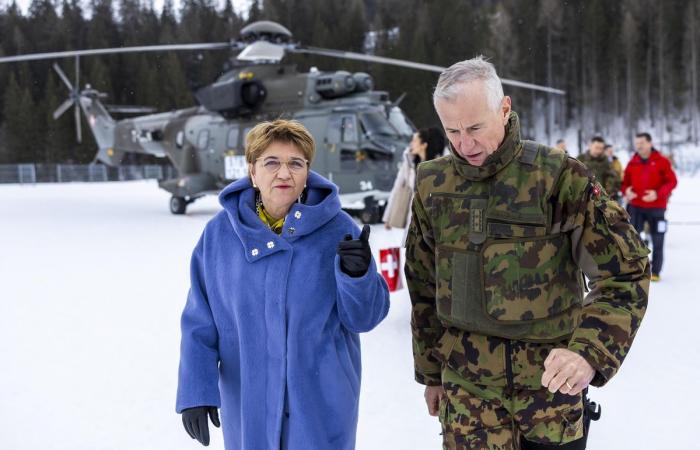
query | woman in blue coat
(282,283)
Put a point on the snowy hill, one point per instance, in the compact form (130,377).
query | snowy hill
(94,277)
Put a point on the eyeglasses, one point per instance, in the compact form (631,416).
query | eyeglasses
(294,165)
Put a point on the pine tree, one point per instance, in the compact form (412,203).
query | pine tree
(20,141)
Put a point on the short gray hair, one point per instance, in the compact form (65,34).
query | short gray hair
(475,69)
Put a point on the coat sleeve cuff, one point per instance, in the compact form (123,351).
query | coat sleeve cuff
(603,366)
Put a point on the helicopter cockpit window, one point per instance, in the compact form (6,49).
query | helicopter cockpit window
(349,129)
(245,132)
(376,124)
(232,138)
(401,122)
(180,139)
(203,139)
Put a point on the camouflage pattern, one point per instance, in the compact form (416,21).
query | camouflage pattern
(592,231)
(531,287)
(604,171)
(486,417)
(617,167)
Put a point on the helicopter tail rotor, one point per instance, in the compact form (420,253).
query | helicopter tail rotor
(73,97)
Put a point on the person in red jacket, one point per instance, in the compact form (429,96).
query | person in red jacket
(648,182)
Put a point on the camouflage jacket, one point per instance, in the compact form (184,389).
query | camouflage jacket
(602,244)
(604,172)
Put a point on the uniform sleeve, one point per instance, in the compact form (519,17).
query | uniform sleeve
(363,302)
(613,181)
(420,277)
(198,380)
(614,259)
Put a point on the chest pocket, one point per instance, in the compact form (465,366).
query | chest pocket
(527,274)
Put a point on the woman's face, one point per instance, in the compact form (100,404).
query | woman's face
(280,174)
(418,147)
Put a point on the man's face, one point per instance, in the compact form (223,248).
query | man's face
(561,145)
(643,147)
(474,129)
(595,148)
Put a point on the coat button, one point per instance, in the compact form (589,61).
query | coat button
(291,230)
(270,244)
(254,252)
(297,215)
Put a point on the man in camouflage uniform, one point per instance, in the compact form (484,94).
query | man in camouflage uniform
(502,232)
(600,165)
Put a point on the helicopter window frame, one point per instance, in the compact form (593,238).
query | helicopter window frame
(375,123)
(203,139)
(232,137)
(348,128)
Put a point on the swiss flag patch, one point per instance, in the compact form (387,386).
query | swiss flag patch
(390,267)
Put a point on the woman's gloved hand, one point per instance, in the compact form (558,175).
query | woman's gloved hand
(196,423)
(355,254)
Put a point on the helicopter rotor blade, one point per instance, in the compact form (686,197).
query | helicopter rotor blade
(408,64)
(78,130)
(63,108)
(63,76)
(107,51)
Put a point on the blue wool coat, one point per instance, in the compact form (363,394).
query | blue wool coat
(270,327)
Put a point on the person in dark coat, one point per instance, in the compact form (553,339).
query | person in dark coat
(597,161)
(282,283)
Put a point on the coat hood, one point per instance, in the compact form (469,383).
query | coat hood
(238,200)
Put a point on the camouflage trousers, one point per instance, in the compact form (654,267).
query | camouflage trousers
(497,418)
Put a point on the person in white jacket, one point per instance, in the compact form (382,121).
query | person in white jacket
(427,144)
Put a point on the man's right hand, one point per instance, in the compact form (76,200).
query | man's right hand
(630,194)
(433,395)
(196,423)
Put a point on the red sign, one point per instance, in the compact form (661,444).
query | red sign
(390,266)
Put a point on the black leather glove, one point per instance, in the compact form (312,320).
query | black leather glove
(355,254)
(196,423)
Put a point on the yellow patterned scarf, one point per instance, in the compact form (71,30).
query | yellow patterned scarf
(275,225)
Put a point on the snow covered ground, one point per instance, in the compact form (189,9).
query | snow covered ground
(93,278)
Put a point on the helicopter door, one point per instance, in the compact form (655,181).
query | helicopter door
(235,166)
(203,142)
(344,152)
(342,143)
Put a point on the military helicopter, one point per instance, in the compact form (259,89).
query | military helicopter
(359,132)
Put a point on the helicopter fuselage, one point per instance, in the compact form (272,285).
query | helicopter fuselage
(360,135)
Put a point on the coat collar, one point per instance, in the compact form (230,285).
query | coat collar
(238,200)
(497,160)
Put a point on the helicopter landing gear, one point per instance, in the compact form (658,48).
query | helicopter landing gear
(178,205)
